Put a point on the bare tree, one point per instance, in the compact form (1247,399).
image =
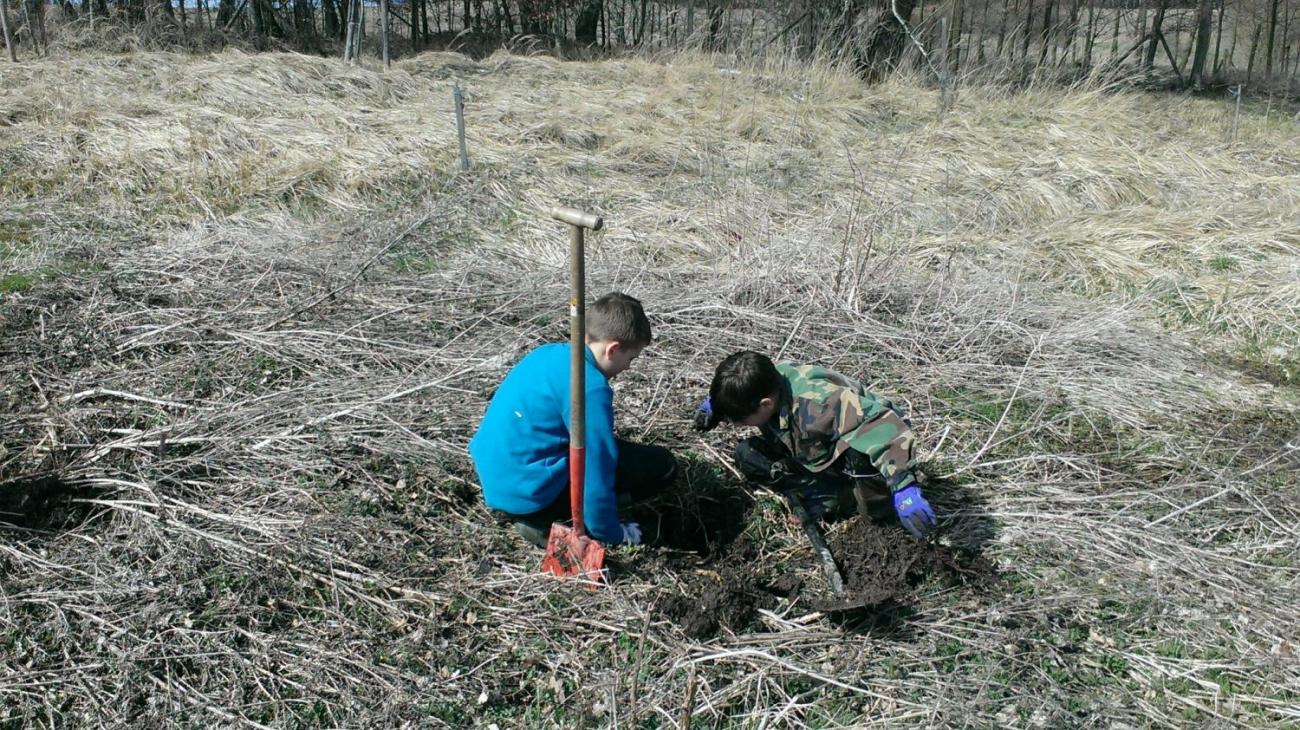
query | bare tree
(383,32)
(1204,23)
(1272,32)
(886,40)
(4,23)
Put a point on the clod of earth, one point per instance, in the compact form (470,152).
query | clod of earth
(881,564)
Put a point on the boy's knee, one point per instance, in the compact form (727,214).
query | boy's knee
(754,459)
(644,471)
(665,466)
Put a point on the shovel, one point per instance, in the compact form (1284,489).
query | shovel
(818,540)
(570,552)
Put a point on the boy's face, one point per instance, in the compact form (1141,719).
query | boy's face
(613,357)
(766,409)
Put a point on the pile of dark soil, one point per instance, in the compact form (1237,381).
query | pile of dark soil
(728,593)
(881,566)
(882,563)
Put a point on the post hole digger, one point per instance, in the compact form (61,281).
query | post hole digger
(570,552)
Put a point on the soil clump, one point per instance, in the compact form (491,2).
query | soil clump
(882,563)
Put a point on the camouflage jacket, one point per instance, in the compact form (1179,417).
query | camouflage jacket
(824,414)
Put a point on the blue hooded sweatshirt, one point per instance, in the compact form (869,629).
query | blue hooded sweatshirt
(521,450)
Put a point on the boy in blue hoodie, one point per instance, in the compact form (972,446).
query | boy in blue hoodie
(521,449)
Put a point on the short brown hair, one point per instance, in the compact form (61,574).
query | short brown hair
(618,317)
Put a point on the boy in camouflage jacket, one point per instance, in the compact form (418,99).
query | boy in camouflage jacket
(821,433)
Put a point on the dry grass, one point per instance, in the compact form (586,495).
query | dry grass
(262,315)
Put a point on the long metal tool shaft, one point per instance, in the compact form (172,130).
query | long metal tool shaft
(818,541)
(577,379)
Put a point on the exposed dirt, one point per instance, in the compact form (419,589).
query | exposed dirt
(882,563)
(881,566)
(43,503)
(728,594)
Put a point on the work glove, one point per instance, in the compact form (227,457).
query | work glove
(705,418)
(913,511)
(631,533)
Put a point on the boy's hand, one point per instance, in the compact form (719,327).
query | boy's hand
(631,533)
(913,511)
(704,418)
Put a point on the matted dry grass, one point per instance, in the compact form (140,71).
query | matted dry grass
(260,314)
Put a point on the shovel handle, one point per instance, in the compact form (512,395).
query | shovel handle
(578,221)
(575,217)
(818,541)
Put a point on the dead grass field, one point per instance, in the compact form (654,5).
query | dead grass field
(250,315)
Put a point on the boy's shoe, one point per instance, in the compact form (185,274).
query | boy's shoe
(533,533)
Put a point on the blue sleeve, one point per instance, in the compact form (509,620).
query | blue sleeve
(601,511)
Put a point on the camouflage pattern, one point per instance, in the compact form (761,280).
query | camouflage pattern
(824,414)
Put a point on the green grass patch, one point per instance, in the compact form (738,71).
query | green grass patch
(987,407)
(22,281)
(1223,263)
(15,234)
(1268,359)
(15,283)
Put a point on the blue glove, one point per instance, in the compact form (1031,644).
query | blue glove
(913,511)
(705,420)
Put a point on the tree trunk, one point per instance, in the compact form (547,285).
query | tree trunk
(954,38)
(715,26)
(1272,31)
(885,41)
(1196,75)
(1142,23)
(1002,26)
(1092,37)
(266,12)
(530,22)
(1046,34)
(38,24)
(1029,33)
(1114,38)
(584,27)
(1286,43)
(4,25)
(383,33)
(1149,61)
(1254,46)
(981,56)
(1218,40)
(1071,30)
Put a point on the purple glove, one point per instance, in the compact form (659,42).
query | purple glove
(705,420)
(913,511)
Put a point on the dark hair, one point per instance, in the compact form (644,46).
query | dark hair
(739,383)
(618,317)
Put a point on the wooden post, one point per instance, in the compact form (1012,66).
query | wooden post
(1236,114)
(459,100)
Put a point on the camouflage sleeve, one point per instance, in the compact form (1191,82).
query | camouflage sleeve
(832,414)
(887,441)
